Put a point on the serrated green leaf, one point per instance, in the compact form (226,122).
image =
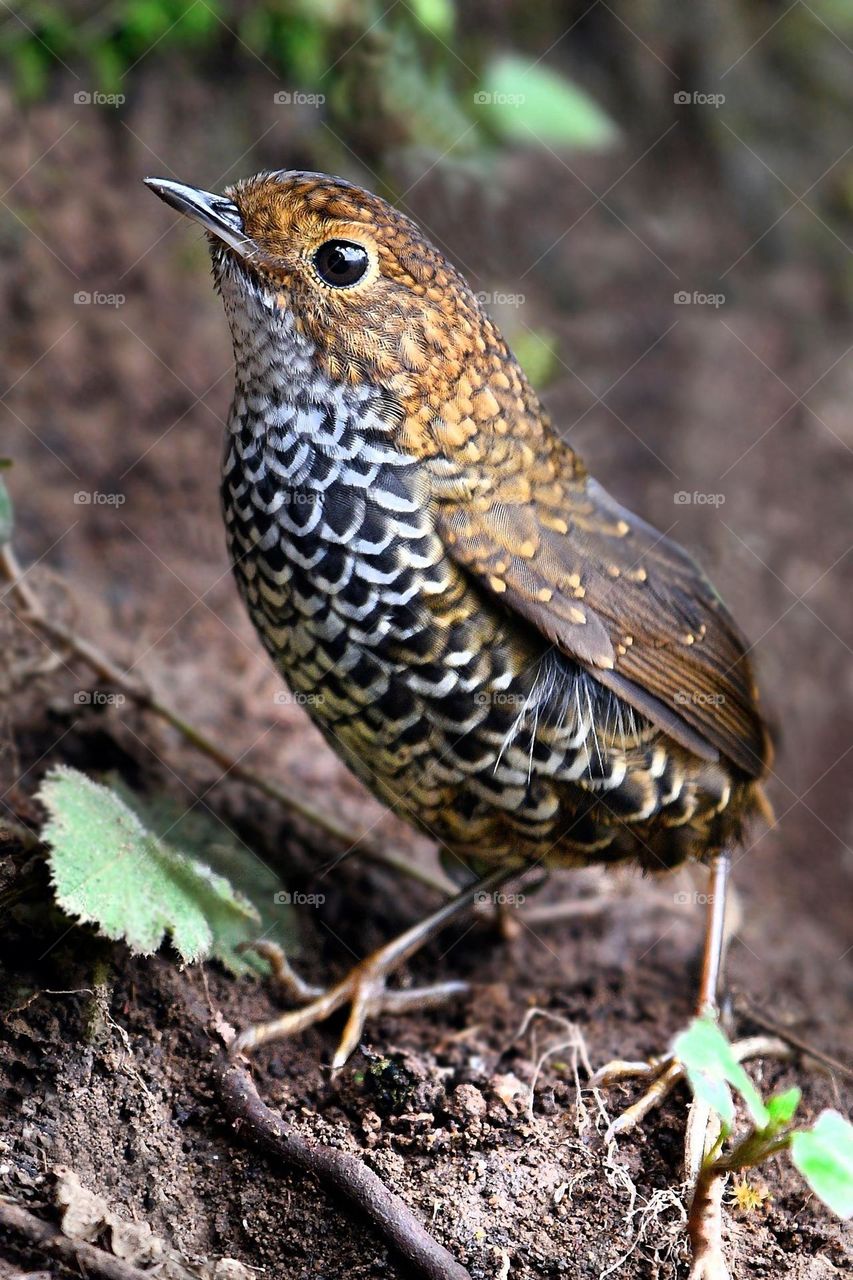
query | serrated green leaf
(708,1057)
(782,1107)
(530,103)
(108,870)
(201,834)
(824,1156)
(7,520)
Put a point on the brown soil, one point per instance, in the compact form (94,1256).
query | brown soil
(105,1060)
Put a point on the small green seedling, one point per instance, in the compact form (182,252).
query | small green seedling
(823,1153)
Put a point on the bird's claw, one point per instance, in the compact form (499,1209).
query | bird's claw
(365,989)
(663,1073)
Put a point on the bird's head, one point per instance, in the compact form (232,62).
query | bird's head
(378,302)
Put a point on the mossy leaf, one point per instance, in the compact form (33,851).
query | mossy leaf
(108,869)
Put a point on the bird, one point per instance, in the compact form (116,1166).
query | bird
(508,658)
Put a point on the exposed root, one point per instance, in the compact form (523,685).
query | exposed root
(337,1170)
(574,1046)
(705,1228)
(653,1232)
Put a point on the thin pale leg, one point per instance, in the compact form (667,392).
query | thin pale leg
(665,1072)
(365,988)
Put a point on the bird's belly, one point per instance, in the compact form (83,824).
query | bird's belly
(449,712)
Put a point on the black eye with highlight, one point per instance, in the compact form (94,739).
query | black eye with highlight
(341,263)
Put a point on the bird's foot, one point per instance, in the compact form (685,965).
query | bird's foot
(662,1075)
(364,989)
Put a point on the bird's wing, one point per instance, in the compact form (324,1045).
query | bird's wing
(609,591)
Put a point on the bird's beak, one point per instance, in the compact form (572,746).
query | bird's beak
(217,214)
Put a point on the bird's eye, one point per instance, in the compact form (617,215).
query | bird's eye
(341,263)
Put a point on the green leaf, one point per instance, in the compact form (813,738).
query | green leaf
(7,521)
(436,15)
(782,1107)
(824,1156)
(31,63)
(201,834)
(108,869)
(527,102)
(536,352)
(710,1063)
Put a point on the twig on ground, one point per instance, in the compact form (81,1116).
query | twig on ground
(344,1173)
(746,1006)
(33,612)
(76,1254)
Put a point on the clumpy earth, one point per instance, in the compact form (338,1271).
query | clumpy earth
(479,1114)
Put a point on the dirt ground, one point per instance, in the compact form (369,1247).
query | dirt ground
(105,1059)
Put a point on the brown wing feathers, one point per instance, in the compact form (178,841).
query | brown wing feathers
(624,601)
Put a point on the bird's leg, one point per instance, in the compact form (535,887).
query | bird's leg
(365,987)
(664,1073)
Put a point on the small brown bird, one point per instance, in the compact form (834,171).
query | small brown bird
(525,670)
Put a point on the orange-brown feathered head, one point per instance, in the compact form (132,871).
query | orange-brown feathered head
(375,297)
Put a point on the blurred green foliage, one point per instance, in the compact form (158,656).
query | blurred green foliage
(392,74)
(406,85)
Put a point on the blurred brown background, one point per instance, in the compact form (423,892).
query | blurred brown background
(585,211)
(655,201)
